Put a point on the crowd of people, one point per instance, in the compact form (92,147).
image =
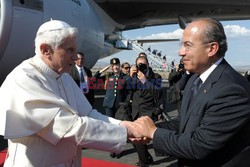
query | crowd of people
(157,53)
(47,111)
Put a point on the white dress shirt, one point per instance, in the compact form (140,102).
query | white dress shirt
(205,74)
(83,85)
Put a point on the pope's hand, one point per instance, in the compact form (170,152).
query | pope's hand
(132,129)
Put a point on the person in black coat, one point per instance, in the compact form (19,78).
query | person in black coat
(82,75)
(177,78)
(214,124)
(147,100)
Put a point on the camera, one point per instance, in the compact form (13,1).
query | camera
(143,68)
(181,66)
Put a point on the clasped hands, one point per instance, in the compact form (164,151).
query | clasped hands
(141,130)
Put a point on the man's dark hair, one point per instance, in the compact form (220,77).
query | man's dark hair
(80,53)
(141,57)
(142,54)
(214,32)
(123,64)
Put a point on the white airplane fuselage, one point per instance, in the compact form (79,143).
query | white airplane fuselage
(98,32)
(20,19)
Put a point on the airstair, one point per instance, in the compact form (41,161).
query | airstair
(154,60)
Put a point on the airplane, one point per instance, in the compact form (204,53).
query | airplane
(100,22)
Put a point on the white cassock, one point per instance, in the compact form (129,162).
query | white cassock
(48,120)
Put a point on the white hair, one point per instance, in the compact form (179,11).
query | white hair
(54,38)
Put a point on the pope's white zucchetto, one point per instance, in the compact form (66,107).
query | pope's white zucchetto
(52,25)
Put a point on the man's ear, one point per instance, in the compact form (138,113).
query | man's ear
(213,49)
(46,49)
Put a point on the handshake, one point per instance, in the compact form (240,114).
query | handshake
(141,130)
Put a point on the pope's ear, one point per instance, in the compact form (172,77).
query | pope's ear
(46,49)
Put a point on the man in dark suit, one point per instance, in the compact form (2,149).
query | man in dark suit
(177,78)
(174,93)
(82,75)
(214,124)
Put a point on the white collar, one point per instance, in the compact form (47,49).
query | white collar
(44,68)
(205,74)
(79,68)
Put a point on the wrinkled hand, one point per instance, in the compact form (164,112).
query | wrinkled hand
(132,129)
(140,131)
(145,127)
(133,134)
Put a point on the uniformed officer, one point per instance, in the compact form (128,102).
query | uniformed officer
(114,87)
(115,90)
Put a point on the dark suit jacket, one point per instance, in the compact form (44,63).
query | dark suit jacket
(215,129)
(183,81)
(75,75)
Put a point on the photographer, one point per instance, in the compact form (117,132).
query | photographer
(176,74)
(174,94)
(146,100)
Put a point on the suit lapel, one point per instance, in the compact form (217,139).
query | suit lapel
(201,94)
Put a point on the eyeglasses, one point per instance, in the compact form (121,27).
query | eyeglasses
(187,45)
(126,68)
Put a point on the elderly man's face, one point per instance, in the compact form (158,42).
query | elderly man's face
(64,56)
(193,51)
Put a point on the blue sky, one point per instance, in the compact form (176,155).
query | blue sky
(238,36)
